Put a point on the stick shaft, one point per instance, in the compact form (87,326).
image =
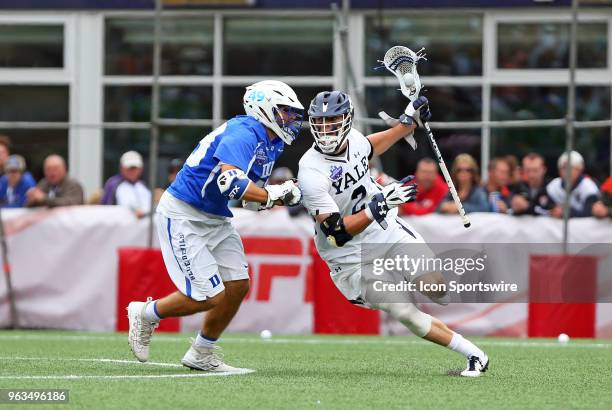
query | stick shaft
(446,174)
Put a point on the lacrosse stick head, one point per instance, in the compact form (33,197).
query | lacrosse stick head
(402,62)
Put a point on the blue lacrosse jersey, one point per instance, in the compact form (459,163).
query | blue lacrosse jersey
(242,142)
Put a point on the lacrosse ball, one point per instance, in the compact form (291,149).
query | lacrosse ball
(266,334)
(408,79)
(563,338)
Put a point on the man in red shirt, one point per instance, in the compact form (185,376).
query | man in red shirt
(432,189)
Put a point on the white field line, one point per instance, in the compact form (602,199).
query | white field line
(120,376)
(313,341)
(69,359)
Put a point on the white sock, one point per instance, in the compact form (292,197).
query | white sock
(465,347)
(204,342)
(150,313)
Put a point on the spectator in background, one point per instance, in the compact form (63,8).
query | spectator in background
(583,194)
(175,166)
(603,207)
(465,175)
(126,189)
(431,189)
(56,188)
(515,171)
(5,151)
(529,196)
(15,182)
(497,185)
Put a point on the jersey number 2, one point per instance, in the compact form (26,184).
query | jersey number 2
(359,194)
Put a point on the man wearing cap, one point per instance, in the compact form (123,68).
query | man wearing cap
(56,188)
(15,183)
(126,189)
(583,194)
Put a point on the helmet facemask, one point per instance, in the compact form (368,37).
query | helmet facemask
(289,119)
(266,101)
(330,132)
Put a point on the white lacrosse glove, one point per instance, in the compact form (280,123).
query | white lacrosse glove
(295,196)
(392,196)
(400,192)
(288,193)
(416,112)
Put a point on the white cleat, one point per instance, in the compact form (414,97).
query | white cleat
(141,330)
(206,359)
(476,367)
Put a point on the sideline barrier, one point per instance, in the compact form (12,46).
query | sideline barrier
(577,274)
(65,269)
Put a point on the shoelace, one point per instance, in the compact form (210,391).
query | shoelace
(146,328)
(146,331)
(213,356)
(216,358)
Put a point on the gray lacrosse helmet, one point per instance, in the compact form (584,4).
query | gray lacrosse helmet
(330,116)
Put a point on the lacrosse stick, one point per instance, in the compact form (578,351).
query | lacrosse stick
(402,62)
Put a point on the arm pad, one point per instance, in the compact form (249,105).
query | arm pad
(233,183)
(335,231)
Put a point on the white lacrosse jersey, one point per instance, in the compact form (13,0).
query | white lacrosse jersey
(342,183)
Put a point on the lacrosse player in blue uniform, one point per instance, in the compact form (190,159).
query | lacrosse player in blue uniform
(351,210)
(202,251)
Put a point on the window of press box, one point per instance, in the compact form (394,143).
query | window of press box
(519,103)
(278,46)
(174,142)
(133,103)
(31,46)
(527,103)
(546,45)
(187,46)
(593,144)
(34,103)
(401,159)
(453,43)
(448,103)
(36,144)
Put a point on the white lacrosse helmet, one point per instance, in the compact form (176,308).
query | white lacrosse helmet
(263,100)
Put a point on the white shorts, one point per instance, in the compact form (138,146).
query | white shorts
(201,255)
(347,276)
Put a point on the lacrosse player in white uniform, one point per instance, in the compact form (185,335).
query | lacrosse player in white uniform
(351,210)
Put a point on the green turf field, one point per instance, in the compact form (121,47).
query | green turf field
(308,372)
